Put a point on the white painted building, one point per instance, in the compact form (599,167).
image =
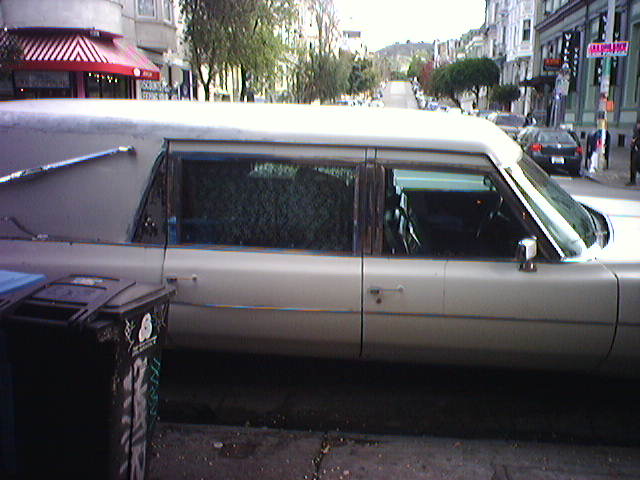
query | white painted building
(509,30)
(95,48)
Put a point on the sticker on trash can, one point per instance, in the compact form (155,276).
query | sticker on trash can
(147,335)
(146,329)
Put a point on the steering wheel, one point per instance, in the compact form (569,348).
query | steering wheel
(494,212)
(415,241)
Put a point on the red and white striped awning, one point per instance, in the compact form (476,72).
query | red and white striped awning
(81,53)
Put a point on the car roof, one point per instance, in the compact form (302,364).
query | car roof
(328,125)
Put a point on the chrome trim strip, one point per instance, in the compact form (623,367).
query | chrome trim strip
(493,319)
(264,308)
(267,250)
(28,173)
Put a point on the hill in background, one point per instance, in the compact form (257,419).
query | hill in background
(408,49)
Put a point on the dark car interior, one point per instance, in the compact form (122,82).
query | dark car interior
(450,223)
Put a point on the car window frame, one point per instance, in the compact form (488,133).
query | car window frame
(546,251)
(265,154)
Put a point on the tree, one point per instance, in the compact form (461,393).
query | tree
(442,84)
(470,74)
(10,51)
(234,33)
(504,95)
(207,43)
(415,67)
(258,44)
(326,22)
(320,74)
(425,75)
(363,76)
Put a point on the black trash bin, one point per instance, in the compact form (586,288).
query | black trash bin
(85,356)
(12,285)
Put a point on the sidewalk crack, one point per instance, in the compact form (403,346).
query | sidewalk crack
(325,446)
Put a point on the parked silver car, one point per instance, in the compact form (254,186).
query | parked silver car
(375,234)
(511,123)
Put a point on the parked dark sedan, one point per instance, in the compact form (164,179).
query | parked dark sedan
(553,149)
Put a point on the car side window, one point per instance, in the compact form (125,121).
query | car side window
(249,202)
(447,215)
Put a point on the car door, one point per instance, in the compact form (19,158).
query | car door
(460,296)
(264,248)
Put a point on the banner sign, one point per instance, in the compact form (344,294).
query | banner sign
(602,38)
(612,49)
(570,53)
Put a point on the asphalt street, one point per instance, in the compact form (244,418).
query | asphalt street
(238,416)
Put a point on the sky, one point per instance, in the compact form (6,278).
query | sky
(385,22)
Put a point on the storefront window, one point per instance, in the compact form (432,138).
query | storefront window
(147,8)
(43,84)
(100,85)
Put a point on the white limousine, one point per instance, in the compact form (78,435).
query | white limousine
(326,231)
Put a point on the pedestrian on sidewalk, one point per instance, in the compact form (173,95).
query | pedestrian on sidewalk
(634,156)
(594,139)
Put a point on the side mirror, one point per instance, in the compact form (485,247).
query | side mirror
(526,252)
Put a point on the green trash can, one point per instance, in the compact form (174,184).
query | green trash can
(85,354)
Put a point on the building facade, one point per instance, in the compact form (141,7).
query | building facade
(510,39)
(94,49)
(565,28)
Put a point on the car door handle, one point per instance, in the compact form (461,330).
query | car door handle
(380,290)
(176,278)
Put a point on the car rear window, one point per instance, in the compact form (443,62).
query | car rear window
(556,137)
(510,120)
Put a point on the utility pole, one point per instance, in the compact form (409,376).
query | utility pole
(605,82)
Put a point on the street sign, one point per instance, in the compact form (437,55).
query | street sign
(552,64)
(570,52)
(611,49)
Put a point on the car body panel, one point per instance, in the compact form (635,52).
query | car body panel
(140,262)
(238,300)
(560,316)
(83,219)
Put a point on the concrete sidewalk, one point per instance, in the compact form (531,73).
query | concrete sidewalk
(617,175)
(230,453)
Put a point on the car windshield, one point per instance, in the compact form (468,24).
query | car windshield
(568,222)
(556,137)
(510,120)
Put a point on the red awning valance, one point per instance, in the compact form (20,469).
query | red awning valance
(82,53)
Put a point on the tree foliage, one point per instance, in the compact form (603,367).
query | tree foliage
(235,33)
(468,75)
(416,66)
(474,73)
(442,84)
(10,51)
(363,76)
(320,74)
(504,95)
(425,75)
